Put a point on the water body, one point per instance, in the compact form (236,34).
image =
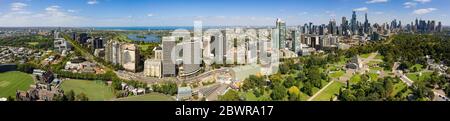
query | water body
(145,38)
(144,28)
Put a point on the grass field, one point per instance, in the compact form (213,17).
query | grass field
(143,47)
(365,55)
(376,69)
(373,76)
(148,97)
(355,79)
(416,67)
(94,90)
(373,63)
(337,74)
(249,96)
(416,77)
(379,57)
(33,43)
(398,87)
(329,92)
(12,81)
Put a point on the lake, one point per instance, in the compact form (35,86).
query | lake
(145,38)
(144,28)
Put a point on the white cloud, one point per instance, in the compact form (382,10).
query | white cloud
(18,6)
(423,1)
(379,12)
(363,9)
(376,1)
(72,11)
(409,4)
(92,2)
(51,16)
(150,15)
(424,11)
(52,8)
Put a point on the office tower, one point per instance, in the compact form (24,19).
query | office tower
(344,26)
(213,47)
(375,36)
(251,46)
(366,24)
(112,52)
(332,27)
(296,42)
(232,41)
(83,38)
(275,39)
(281,26)
(168,45)
(74,36)
(310,27)
(97,43)
(433,26)
(353,23)
(152,68)
(417,23)
(190,54)
(439,28)
(305,29)
(321,30)
(394,24)
(130,57)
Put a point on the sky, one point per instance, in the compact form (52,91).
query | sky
(111,13)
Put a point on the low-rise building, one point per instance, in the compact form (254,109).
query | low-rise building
(61,45)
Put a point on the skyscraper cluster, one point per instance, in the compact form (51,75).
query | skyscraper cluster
(424,26)
(365,28)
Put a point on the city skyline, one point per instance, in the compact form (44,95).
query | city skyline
(92,13)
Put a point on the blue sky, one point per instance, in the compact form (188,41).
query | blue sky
(211,12)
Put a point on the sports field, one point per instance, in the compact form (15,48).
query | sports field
(12,81)
(94,90)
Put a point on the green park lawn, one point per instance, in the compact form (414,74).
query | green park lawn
(416,67)
(94,90)
(337,74)
(398,87)
(365,55)
(376,69)
(304,96)
(33,43)
(355,79)
(249,96)
(143,47)
(373,76)
(379,57)
(12,81)
(148,97)
(416,77)
(329,92)
(373,63)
